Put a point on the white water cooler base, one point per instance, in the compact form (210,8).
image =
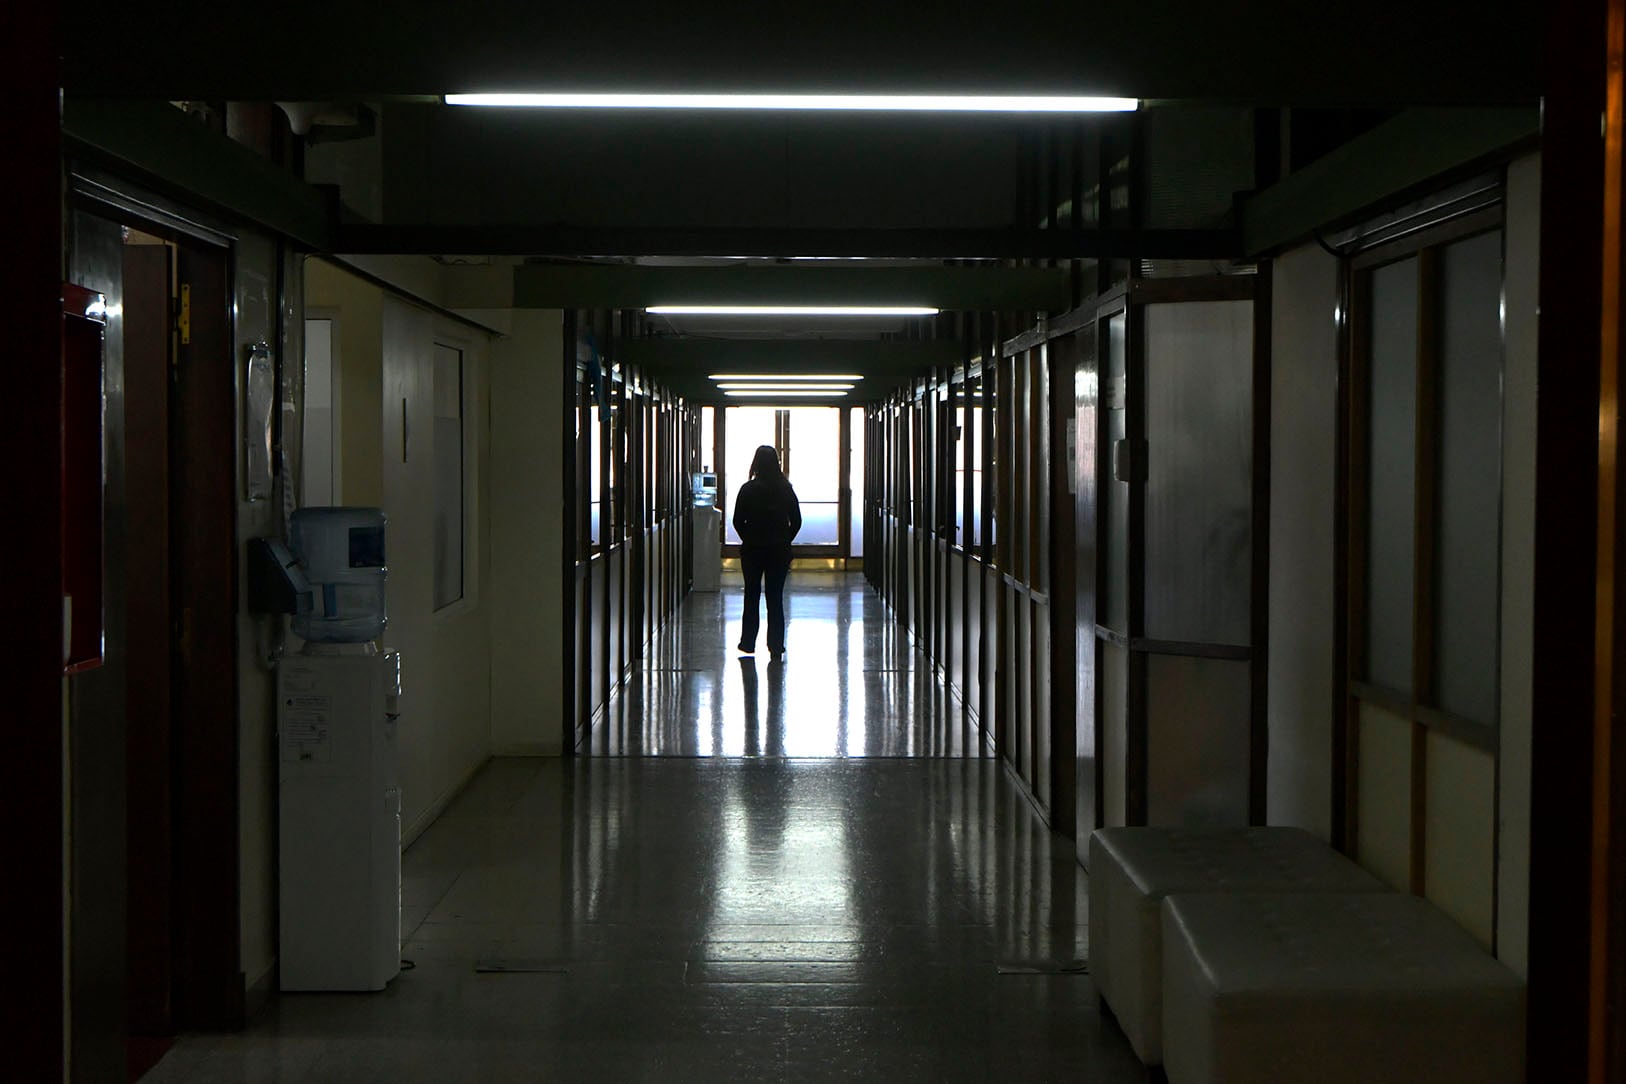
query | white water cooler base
(708,548)
(340,819)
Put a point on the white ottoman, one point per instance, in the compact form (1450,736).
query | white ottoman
(1132,869)
(1335,989)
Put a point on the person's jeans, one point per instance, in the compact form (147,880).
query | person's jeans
(772,565)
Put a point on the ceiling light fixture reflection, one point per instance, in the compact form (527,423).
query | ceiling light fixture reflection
(894,103)
(801,377)
(791,310)
(758,393)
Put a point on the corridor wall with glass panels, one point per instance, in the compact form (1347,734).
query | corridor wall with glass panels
(627,567)
(1066,522)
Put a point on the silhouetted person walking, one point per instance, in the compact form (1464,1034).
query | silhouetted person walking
(766,517)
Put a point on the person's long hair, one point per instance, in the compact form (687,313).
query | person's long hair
(765,465)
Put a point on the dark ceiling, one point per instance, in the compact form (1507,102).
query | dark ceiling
(558,184)
(1266,52)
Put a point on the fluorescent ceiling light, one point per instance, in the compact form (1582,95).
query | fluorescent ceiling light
(791,310)
(800,386)
(760,394)
(899,103)
(800,377)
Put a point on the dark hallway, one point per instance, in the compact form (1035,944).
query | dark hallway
(784,871)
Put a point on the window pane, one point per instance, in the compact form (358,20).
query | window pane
(1115,494)
(316,484)
(1392,433)
(748,428)
(855,480)
(1470,477)
(820,523)
(1039,441)
(815,453)
(595,475)
(708,434)
(448,437)
(957,498)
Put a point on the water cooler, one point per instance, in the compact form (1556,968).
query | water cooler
(340,792)
(707,522)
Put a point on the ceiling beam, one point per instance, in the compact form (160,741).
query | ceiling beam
(1387,164)
(778,355)
(160,145)
(936,244)
(684,365)
(628,286)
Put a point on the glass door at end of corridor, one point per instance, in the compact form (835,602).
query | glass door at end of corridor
(814,448)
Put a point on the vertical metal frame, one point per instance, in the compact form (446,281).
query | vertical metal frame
(988,345)
(1259,592)
(1136,748)
(573,512)
(968,517)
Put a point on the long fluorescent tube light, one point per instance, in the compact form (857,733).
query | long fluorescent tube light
(801,377)
(760,394)
(791,310)
(801,386)
(900,103)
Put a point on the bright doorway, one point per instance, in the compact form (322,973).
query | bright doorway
(821,449)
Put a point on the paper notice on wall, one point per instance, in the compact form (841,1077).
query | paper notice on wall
(305,728)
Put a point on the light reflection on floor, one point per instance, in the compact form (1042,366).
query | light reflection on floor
(818,878)
(852,684)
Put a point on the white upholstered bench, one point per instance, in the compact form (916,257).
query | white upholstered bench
(1342,989)
(1133,869)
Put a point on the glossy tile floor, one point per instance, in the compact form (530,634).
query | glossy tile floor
(852,684)
(729,918)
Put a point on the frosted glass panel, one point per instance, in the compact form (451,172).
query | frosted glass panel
(316,454)
(1460,834)
(595,474)
(708,438)
(1199,481)
(1470,477)
(747,429)
(1383,789)
(855,480)
(815,453)
(1114,593)
(821,524)
(1391,438)
(1197,720)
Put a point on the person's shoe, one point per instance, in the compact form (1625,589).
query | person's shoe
(747,649)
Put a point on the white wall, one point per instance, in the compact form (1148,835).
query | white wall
(384,355)
(528,717)
(445,654)
(1303,429)
(1518,561)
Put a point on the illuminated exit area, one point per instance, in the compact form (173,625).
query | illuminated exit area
(821,449)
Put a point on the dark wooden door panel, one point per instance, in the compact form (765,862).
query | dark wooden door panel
(209,985)
(147,323)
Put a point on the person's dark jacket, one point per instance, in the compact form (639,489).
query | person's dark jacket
(767,514)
